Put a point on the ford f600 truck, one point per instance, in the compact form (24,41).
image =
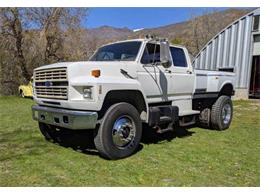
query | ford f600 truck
(125,84)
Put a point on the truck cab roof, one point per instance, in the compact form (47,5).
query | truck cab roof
(145,40)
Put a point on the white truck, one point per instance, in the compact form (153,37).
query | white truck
(125,84)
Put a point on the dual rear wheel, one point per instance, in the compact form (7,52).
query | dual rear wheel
(221,113)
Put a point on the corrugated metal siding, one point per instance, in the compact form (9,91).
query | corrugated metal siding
(230,48)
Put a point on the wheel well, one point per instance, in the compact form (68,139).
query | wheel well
(20,91)
(132,97)
(227,89)
(202,103)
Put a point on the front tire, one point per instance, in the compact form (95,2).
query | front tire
(120,132)
(222,113)
(48,131)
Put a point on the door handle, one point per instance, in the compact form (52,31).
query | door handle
(189,72)
(168,71)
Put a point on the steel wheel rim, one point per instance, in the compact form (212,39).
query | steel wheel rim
(226,113)
(123,132)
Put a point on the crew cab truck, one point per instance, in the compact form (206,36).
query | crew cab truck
(125,84)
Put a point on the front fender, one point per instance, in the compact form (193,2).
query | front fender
(128,87)
(103,85)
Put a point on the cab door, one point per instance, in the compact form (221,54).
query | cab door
(182,82)
(154,78)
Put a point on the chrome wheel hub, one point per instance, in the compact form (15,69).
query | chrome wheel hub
(226,113)
(123,131)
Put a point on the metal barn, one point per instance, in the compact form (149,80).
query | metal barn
(236,48)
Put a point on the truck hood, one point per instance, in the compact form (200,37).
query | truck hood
(84,68)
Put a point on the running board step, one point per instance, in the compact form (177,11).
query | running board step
(187,120)
(166,129)
(165,119)
(160,131)
(164,114)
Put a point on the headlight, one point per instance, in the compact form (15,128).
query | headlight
(87,92)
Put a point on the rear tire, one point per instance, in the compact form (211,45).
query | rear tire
(48,131)
(222,113)
(120,132)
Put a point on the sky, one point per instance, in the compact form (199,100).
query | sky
(135,18)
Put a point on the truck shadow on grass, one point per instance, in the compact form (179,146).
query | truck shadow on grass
(83,141)
(80,141)
(150,136)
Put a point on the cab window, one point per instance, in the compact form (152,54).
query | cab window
(178,57)
(151,54)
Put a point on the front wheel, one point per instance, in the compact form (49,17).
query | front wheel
(48,131)
(222,113)
(120,132)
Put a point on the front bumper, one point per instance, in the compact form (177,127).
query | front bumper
(70,119)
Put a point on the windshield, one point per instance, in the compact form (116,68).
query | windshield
(125,51)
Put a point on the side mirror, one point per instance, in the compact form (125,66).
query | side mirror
(165,57)
(166,64)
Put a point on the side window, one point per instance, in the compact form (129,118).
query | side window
(178,57)
(151,54)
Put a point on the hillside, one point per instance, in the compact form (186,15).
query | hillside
(108,32)
(182,31)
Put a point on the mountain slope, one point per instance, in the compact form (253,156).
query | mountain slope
(182,31)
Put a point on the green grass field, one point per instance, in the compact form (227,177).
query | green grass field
(193,157)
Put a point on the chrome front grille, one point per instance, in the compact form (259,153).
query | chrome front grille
(51,74)
(52,92)
(51,83)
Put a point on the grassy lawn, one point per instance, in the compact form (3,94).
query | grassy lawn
(204,158)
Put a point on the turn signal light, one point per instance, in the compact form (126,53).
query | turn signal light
(95,73)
